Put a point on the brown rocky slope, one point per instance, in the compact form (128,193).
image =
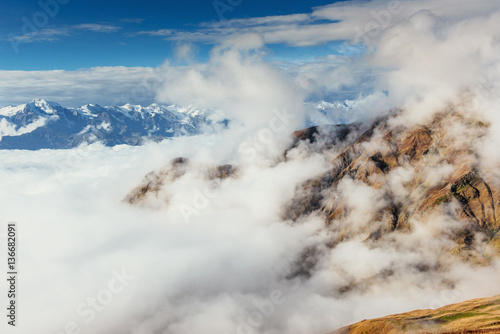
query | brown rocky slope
(442,176)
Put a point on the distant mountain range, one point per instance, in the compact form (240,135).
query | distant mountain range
(42,124)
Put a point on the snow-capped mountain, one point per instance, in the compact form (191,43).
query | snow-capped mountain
(42,124)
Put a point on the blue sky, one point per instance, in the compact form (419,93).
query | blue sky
(73,34)
(107,52)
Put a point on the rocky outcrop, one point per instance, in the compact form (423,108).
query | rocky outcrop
(154,181)
(325,136)
(440,175)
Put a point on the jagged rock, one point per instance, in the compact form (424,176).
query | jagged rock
(324,137)
(154,181)
(381,150)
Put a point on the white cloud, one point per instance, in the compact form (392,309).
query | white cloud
(185,52)
(222,270)
(8,129)
(237,82)
(101,85)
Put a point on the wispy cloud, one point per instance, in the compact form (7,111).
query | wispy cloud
(159,32)
(132,20)
(258,21)
(215,32)
(44,35)
(96,27)
(52,34)
(338,21)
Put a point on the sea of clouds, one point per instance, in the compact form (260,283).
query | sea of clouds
(90,262)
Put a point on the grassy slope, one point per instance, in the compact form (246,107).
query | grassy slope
(473,316)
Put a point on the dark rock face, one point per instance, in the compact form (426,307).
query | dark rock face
(325,136)
(332,133)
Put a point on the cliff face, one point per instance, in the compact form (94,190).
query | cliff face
(474,316)
(417,173)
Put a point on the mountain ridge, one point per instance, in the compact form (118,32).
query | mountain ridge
(42,124)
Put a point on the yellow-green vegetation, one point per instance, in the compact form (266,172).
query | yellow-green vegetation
(456,316)
(493,248)
(482,315)
(443,199)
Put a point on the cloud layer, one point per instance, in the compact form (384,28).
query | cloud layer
(101,85)
(236,266)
